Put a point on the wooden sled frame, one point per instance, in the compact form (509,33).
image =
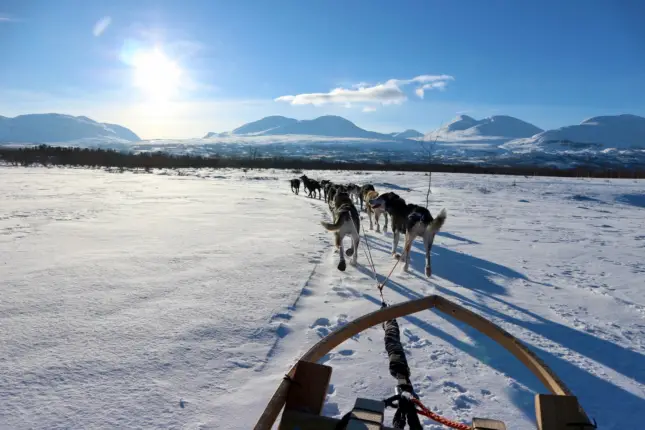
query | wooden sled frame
(558,411)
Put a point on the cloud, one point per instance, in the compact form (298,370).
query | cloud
(101,25)
(383,93)
(386,93)
(369,109)
(440,85)
(7,18)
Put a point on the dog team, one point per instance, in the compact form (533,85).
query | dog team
(407,218)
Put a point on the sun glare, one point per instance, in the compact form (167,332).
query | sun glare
(155,74)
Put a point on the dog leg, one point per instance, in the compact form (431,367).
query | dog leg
(377,217)
(353,251)
(385,227)
(428,239)
(339,243)
(407,246)
(395,243)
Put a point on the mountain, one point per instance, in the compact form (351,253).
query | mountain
(122,132)
(600,132)
(327,126)
(212,134)
(53,127)
(407,134)
(265,125)
(465,127)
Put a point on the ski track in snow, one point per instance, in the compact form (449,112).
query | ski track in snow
(179,300)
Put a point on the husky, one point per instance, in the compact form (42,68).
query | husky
(354,193)
(311,185)
(295,186)
(367,197)
(333,190)
(324,185)
(364,189)
(346,222)
(414,221)
(420,223)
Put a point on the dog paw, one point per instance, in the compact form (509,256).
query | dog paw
(349,252)
(353,263)
(406,269)
(396,256)
(428,271)
(342,266)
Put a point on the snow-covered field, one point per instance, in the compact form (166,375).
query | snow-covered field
(164,301)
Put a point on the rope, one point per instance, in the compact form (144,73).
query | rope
(406,250)
(423,410)
(370,260)
(399,368)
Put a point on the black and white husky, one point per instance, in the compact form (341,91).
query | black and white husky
(413,220)
(346,223)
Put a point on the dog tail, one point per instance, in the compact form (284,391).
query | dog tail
(438,222)
(332,227)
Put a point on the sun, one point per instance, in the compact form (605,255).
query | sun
(156,74)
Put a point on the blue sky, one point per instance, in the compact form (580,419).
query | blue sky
(182,68)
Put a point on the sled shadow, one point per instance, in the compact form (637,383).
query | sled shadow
(627,362)
(495,356)
(622,360)
(636,200)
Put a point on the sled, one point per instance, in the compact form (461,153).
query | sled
(303,390)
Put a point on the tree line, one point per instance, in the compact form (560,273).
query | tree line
(109,158)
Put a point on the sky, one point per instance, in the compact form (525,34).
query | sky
(179,69)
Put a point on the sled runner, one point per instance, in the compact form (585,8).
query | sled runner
(303,390)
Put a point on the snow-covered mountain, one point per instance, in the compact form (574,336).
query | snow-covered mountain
(327,126)
(264,125)
(465,127)
(407,134)
(54,127)
(601,132)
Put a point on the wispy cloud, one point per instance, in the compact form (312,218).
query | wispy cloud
(390,92)
(101,25)
(369,109)
(7,18)
(439,85)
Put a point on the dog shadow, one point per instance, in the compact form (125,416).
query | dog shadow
(457,238)
(459,268)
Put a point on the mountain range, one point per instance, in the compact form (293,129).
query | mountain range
(603,141)
(327,126)
(619,131)
(54,127)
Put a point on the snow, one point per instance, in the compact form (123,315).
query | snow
(466,128)
(407,134)
(323,126)
(180,299)
(599,133)
(54,127)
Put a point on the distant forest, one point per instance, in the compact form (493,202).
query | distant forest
(107,158)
